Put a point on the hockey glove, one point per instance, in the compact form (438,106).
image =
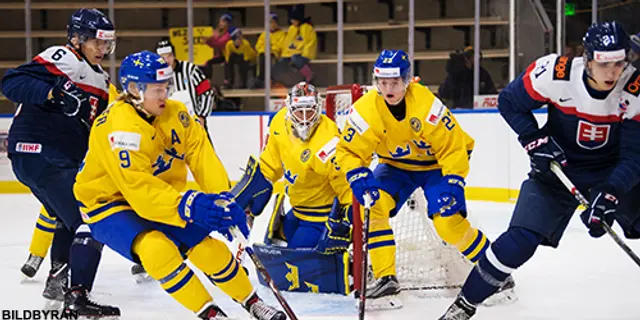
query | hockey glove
(542,150)
(213,212)
(602,209)
(362,181)
(336,236)
(68,97)
(234,213)
(446,197)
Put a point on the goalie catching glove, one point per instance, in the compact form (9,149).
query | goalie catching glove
(336,236)
(213,212)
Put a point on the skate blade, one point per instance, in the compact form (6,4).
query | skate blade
(384,303)
(51,305)
(142,278)
(501,298)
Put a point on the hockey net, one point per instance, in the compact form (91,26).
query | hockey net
(425,264)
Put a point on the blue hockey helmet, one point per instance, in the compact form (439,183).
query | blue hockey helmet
(143,68)
(606,42)
(392,64)
(92,24)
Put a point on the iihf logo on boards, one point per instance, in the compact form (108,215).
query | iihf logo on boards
(592,136)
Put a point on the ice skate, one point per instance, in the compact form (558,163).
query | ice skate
(262,311)
(384,294)
(461,309)
(31,266)
(139,274)
(77,301)
(506,294)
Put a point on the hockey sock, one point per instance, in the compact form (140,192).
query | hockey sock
(456,230)
(215,260)
(162,260)
(42,234)
(61,244)
(511,250)
(84,258)
(382,244)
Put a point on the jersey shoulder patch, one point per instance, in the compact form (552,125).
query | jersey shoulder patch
(356,120)
(125,140)
(562,68)
(436,112)
(60,60)
(328,150)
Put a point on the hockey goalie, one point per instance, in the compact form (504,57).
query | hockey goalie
(305,247)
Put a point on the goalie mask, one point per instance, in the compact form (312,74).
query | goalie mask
(303,109)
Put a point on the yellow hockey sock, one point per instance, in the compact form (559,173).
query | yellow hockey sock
(456,230)
(162,260)
(42,234)
(213,257)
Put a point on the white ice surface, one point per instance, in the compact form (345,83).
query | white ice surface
(583,279)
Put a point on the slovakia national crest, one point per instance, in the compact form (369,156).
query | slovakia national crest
(592,136)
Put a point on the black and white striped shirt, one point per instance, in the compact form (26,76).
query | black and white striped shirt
(192,88)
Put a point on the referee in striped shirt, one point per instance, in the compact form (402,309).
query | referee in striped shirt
(191,85)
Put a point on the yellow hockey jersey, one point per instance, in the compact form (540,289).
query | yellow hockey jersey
(140,165)
(300,40)
(277,42)
(311,178)
(428,138)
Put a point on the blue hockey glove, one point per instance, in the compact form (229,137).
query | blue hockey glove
(446,197)
(213,212)
(542,150)
(362,181)
(603,207)
(235,214)
(68,97)
(336,236)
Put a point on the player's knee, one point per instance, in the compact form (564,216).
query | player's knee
(159,256)
(514,247)
(210,255)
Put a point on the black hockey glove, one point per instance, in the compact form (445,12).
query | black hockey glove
(542,150)
(68,97)
(603,207)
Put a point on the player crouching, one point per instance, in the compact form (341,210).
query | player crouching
(301,147)
(128,191)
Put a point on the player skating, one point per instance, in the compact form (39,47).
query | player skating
(593,130)
(128,191)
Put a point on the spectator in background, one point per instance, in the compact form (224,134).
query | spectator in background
(277,40)
(221,35)
(634,56)
(238,52)
(300,43)
(458,86)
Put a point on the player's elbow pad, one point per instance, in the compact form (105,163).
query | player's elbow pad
(253,190)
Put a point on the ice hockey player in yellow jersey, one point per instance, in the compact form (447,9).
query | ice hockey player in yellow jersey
(300,148)
(418,143)
(128,189)
(43,231)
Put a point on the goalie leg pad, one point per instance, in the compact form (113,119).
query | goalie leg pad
(275,230)
(311,272)
(306,235)
(253,190)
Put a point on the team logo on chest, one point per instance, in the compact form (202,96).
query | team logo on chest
(416,125)
(592,136)
(304,157)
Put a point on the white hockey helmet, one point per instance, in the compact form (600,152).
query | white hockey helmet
(303,109)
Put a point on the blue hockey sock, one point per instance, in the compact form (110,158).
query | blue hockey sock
(511,250)
(61,244)
(85,257)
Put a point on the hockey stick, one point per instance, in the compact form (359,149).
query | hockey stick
(365,255)
(555,167)
(263,271)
